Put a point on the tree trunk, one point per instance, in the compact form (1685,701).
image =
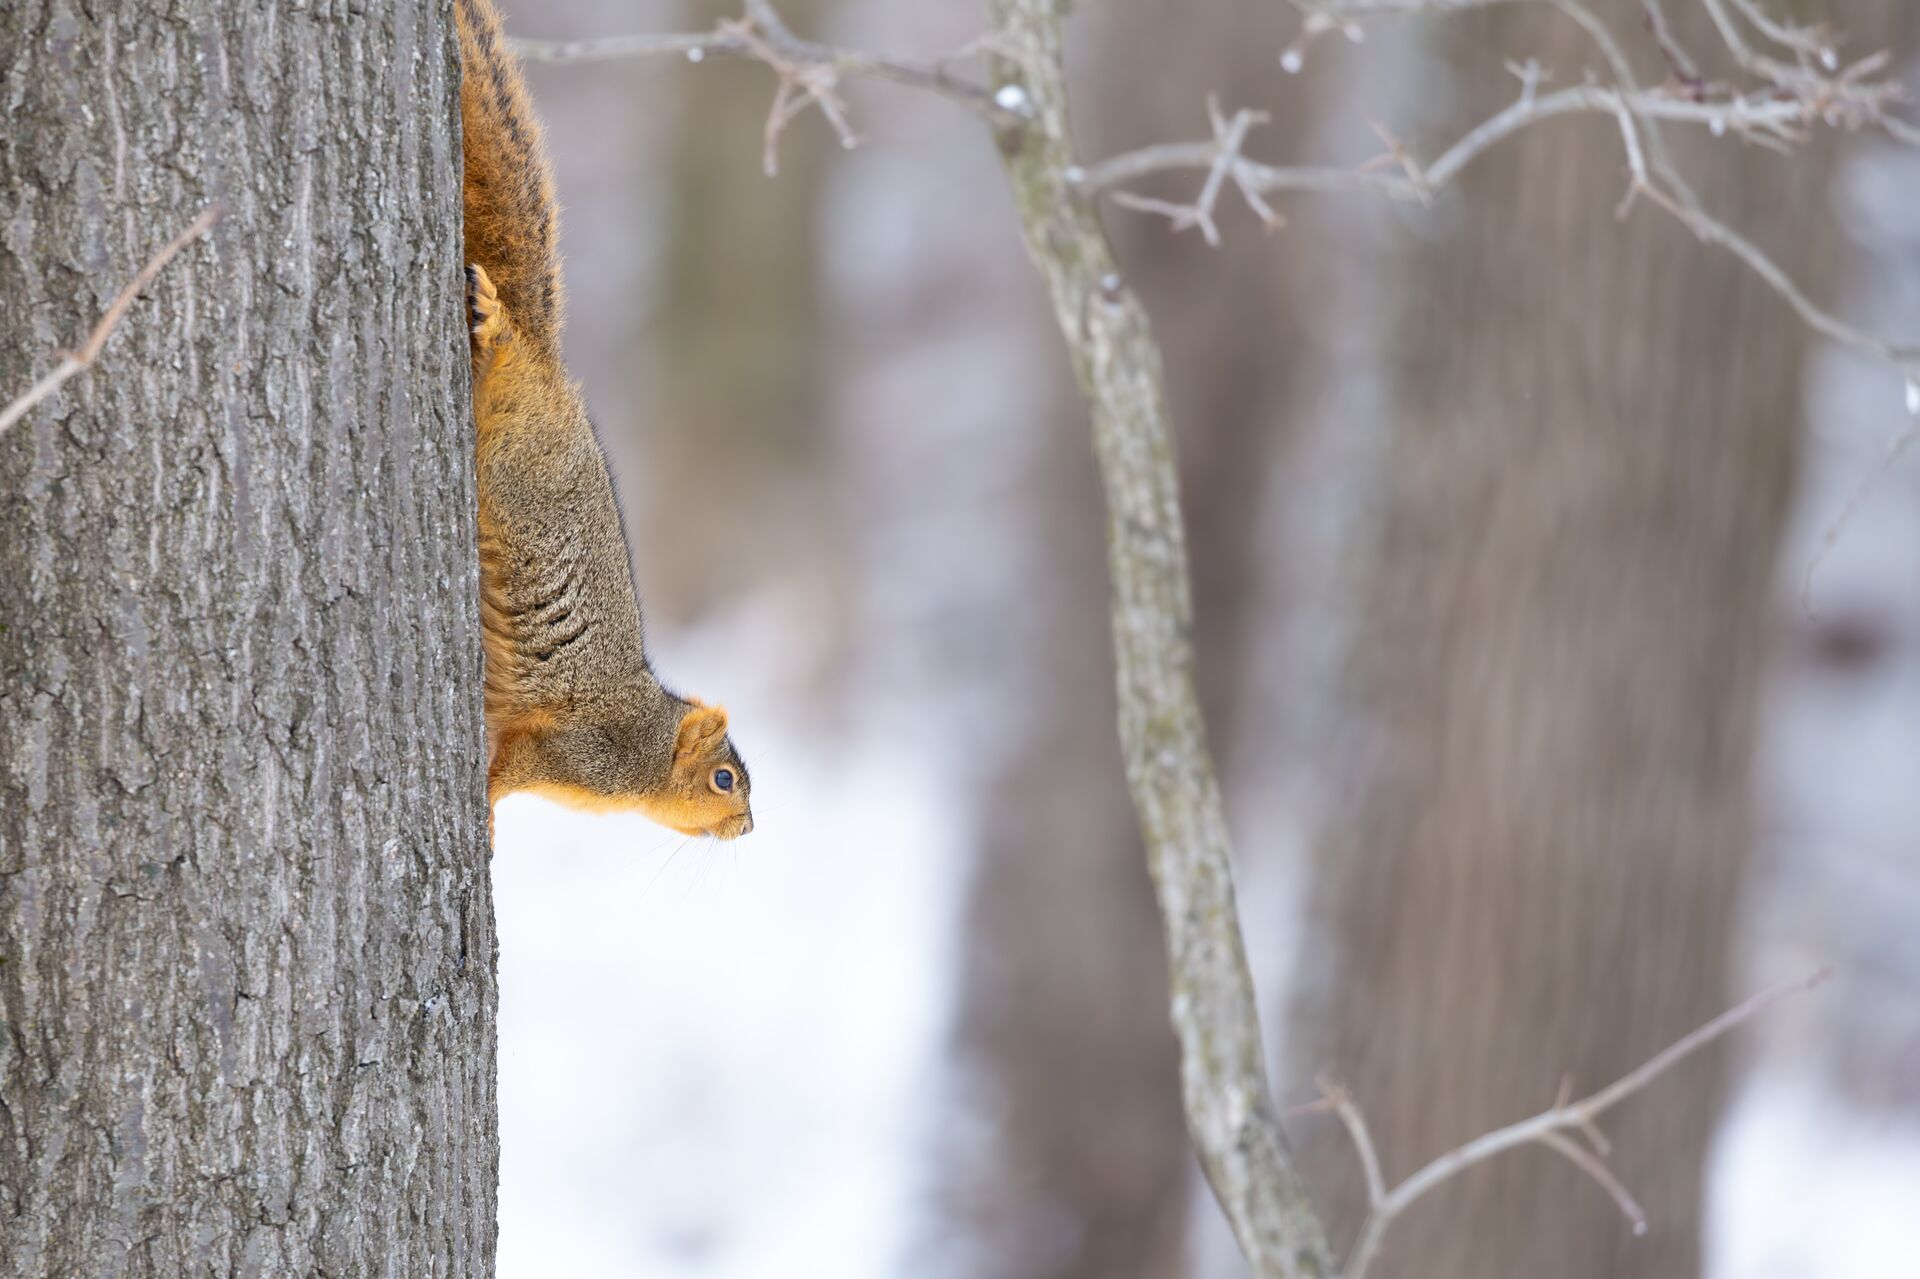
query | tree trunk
(246,937)
(1535,868)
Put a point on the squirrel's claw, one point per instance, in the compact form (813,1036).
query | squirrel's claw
(486,317)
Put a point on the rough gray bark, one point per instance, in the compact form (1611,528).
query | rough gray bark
(1230,1113)
(246,938)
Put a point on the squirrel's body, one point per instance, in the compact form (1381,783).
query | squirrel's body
(574,710)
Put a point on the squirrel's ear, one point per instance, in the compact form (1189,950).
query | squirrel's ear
(700,728)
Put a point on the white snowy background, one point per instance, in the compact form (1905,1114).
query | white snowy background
(728,1061)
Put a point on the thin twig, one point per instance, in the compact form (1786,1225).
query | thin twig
(75,362)
(1374,8)
(799,83)
(1811,41)
(1547,1127)
(1791,101)
(1341,1102)
(1684,67)
(1595,1167)
(726,41)
(1228,137)
(1896,447)
(1757,114)
(1636,161)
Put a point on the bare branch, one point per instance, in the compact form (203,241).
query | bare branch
(1781,111)
(695,47)
(1684,67)
(1792,100)
(1750,59)
(1376,8)
(75,362)
(1341,1103)
(1745,116)
(1548,1127)
(1228,137)
(1807,41)
(1636,162)
(762,33)
(800,83)
(1596,1168)
(1739,1015)
(1229,1109)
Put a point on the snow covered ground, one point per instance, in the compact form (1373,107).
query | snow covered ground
(728,1061)
(715,1059)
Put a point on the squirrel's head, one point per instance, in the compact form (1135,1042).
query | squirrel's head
(694,783)
(706,791)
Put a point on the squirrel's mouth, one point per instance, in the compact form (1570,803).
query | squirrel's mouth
(725,828)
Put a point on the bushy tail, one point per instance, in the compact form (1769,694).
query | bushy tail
(511,220)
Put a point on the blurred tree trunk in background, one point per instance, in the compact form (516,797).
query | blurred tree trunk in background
(737,391)
(1534,864)
(1062,1019)
(246,937)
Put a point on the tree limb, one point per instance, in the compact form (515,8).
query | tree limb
(1552,1128)
(1789,102)
(762,37)
(1230,1113)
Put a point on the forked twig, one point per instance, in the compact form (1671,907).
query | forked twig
(1787,103)
(805,67)
(1229,137)
(1550,1128)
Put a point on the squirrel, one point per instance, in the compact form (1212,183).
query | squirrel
(574,710)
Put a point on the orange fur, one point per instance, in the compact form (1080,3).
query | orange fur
(689,816)
(574,710)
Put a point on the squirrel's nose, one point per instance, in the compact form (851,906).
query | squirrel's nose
(747,829)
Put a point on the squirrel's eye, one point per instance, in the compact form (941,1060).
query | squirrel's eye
(723,780)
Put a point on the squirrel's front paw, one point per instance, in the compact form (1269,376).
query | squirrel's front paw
(486,318)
